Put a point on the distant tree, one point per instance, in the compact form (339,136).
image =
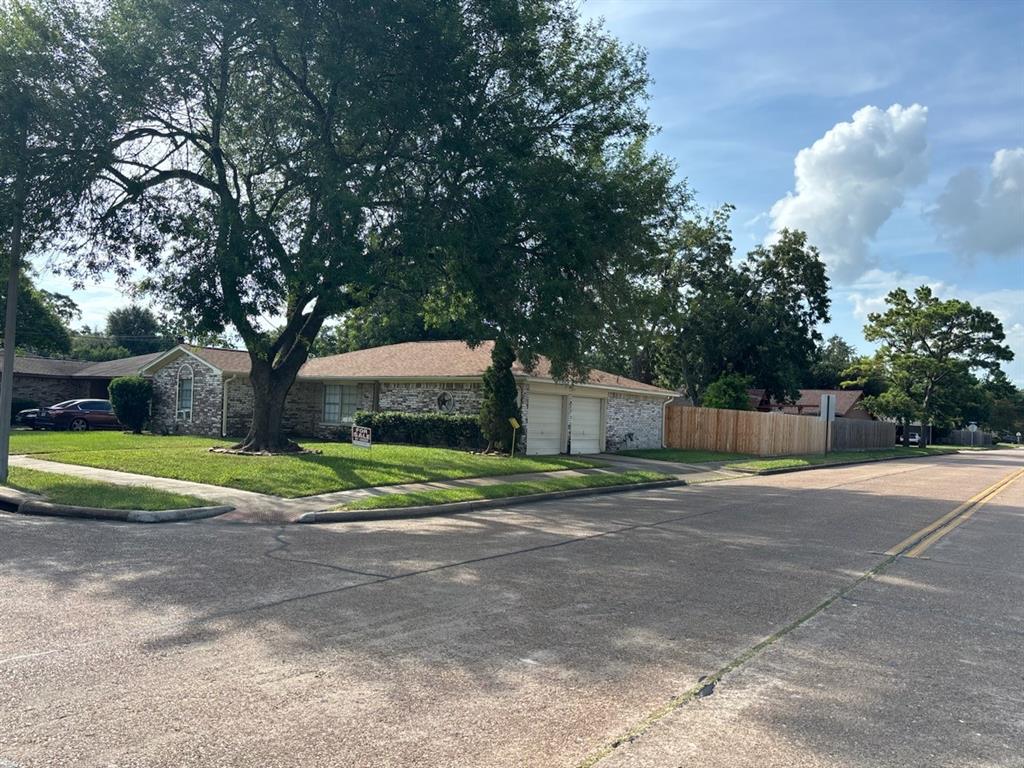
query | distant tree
(92,345)
(757,318)
(832,358)
(136,329)
(131,397)
(730,390)
(42,319)
(500,398)
(929,349)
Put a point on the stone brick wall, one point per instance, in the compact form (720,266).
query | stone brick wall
(421,396)
(632,422)
(44,390)
(207,400)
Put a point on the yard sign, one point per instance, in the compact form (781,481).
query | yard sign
(361,437)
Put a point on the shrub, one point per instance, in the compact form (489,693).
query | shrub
(728,391)
(442,430)
(131,396)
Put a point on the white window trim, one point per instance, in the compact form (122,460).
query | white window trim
(184,414)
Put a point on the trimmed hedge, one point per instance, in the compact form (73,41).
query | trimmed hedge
(131,397)
(442,430)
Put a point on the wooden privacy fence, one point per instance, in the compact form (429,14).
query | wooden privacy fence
(768,434)
(862,435)
(752,432)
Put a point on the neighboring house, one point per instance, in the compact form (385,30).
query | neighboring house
(849,403)
(203,390)
(46,381)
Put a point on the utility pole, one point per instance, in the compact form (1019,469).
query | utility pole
(11,319)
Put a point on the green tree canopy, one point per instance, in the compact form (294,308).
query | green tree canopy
(832,358)
(730,390)
(43,317)
(137,329)
(277,167)
(757,318)
(929,352)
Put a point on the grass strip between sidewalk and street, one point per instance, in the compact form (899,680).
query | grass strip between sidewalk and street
(503,490)
(838,457)
(684,456)
(75,491)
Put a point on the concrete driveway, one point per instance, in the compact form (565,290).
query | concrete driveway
(535,636)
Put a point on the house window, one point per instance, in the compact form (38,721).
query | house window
(341,401)
(184,409)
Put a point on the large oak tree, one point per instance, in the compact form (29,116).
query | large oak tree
(281,163)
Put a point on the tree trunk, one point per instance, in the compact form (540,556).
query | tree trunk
(270,389)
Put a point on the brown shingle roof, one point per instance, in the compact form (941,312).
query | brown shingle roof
(45,366)
(440,359)
(809,402)
(126,366)
(227,360)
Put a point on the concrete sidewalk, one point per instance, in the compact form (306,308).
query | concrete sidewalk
(693,473)
(251,507)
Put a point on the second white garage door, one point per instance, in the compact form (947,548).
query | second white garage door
(544,425)
(585,429)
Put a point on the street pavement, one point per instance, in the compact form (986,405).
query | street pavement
(534,636)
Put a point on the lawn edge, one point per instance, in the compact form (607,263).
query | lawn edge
(462,507)
(34,506)
(784,470)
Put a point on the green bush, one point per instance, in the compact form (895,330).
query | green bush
(435,429)
(728,391)
(131,396)
(20,404)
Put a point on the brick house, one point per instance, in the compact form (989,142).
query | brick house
(849,403)
(46,381)
(206,391)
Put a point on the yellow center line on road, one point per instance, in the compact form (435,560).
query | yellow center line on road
(919,541)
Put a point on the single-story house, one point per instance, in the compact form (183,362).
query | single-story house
(849,403)
(206,391)
(45,381)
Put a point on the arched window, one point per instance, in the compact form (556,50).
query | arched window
(184,410)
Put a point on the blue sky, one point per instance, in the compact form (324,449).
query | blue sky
(908,119)
(741,88)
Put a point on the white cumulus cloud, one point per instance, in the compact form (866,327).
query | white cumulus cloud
(974,219)
(850,181)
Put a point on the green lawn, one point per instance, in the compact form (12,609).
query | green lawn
(838,457)
(340,467)
(684,457)
(75,491)
(503,490)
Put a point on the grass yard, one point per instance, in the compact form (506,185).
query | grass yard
(341,466)
(684,457)
(503,490)
(838,457)
(75,491)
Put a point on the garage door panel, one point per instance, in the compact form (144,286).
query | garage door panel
(585,429)
(544,425)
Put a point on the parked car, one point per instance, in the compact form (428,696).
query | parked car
(914,439)
(27,417)
(78,416)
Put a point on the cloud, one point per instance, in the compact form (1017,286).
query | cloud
(850,181)
(975,219)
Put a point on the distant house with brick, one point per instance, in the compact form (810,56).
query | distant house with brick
(206,391)
(849,403)
(45,381)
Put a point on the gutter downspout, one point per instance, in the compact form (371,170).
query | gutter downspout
(664,431)
(224,408)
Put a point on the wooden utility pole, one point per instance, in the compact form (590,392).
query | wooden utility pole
(11,318)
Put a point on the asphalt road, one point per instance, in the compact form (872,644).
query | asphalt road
(535,636)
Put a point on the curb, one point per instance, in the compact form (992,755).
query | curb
(786,470)
(462,507)
(33,507)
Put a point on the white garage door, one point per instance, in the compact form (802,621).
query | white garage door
(585,431)
(544,425)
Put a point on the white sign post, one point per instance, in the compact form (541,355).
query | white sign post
(827,413)
(361,436)
(972,428)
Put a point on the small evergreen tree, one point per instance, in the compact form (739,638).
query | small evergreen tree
(500,398)
(728,391)
(131,396)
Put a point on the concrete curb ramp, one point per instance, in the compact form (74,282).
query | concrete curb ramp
(34,506)
(462,507)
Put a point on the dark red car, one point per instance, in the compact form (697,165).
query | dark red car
(78,416)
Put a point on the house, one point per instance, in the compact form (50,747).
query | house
(45,381)
(206,391)
(849,403)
